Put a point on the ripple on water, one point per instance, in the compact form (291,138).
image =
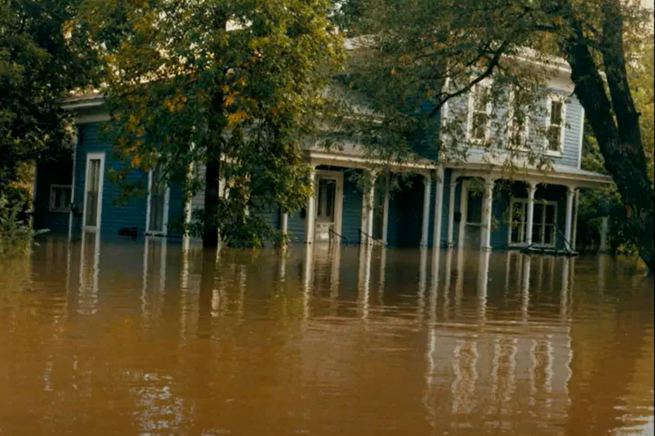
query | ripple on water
(144,338)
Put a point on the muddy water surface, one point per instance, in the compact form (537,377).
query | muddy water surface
(140,338)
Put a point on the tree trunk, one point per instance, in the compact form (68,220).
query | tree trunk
(620,143)
(210,230)
(215,126)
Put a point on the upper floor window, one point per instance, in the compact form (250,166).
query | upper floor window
(518,123)
(479,118)
(555,126)
(60,198)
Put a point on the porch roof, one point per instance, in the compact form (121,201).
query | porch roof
(558,175)
(352,156)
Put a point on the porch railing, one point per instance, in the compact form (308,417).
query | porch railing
(342,239)
(365,237)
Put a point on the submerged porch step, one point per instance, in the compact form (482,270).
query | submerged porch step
(549,251)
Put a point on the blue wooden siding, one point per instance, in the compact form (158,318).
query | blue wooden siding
(50,173)
(574,123)
(406,214)
(271,216)
(296,227)
(572,134)
(351,223)
(114,216)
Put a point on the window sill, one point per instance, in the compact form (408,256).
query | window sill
(58,210)
(553,153)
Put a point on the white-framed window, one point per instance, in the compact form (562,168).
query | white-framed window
(158,202)
(518,128)
(555,123)
(479,114)
(60,198)
(544,222)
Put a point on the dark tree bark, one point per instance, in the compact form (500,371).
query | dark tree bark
(216,124)
(615,122)
(210,230)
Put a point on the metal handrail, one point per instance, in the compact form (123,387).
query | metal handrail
(342,238)
(378,241)
(567,245)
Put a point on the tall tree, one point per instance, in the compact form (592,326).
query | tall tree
(229,85)
(421,45)
(42,56)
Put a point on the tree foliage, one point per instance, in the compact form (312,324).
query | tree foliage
(440,50)
(41,58)
(230,86)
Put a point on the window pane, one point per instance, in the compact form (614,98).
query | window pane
(518,225)
(66,197)
(550,214)
(554,138)
(92,192)
(556,113)
(536,233)
(479,125)
(480,98)
(549,234)
(57,198)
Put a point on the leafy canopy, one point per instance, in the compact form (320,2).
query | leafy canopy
(192,81)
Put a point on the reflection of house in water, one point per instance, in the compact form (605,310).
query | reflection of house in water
(491,372)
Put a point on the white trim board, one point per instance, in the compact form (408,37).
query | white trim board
(101,178)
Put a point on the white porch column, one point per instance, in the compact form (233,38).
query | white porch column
(487,206)
(575,219)
(385,212)
(438,209)
(310,216)
(451,209)
(369,216)
(367,213)
(427,183)
(284,222)
(570,193)
(603,234)
(532,189)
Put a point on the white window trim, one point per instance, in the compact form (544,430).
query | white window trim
(54,209)
(469,121)
(338,197)
(525,218)
(101,187)
(510,126)
(167,196)
(555,98)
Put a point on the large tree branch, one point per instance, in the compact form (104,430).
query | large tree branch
(617,78)
(443,97)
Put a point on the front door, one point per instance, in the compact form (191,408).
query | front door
(473,219)
(95,168)
(329,197)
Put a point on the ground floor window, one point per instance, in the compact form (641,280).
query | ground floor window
(60,198)
(544,223)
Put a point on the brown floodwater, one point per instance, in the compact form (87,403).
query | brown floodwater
(137,338)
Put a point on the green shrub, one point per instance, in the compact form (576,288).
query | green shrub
(16,235)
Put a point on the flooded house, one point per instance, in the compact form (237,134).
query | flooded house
(458,204)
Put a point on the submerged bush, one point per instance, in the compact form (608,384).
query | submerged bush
(16,234)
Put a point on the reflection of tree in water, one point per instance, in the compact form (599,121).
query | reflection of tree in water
(604,368)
